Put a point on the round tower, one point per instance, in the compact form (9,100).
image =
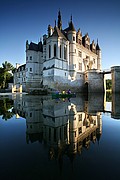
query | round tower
(72,48)
(98,52)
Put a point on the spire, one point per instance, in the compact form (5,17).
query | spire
(59,20)
(71,26)
(97,46)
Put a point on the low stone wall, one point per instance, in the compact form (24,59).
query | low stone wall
(59,83)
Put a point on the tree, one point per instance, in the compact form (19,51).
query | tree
(1,77)
(5,71)
(108,84)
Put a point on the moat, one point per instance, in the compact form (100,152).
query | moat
(59,139)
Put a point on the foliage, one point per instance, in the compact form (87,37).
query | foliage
(109,84)
(5,106)
(5,75)
(108,97)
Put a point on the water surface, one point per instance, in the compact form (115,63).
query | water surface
(51,139)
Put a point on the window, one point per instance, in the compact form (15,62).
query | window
(80,130)
(80,66)
(80,54)
(75,133)
(60,51)
(26,58)
(30,69)
(80,117)
(65,52)
(30,57)
(54,50)
(73,38)
(30,114)
(49,51)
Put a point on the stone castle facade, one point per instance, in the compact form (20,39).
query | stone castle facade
(64,59)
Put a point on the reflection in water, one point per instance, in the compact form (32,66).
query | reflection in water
(6,105)
(64,128)
(115,106)
(65,125)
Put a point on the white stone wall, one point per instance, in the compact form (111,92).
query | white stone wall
(34,68)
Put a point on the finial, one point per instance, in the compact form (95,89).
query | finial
(71,17)
(97,40)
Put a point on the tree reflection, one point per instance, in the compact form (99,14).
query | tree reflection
(5,108)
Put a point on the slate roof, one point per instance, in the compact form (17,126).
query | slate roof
(97,47)
(36,47)
(58,33)
(70,27)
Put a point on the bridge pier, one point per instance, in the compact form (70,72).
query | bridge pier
(95,81)
(115,72)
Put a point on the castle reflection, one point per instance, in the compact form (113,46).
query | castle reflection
(64,125)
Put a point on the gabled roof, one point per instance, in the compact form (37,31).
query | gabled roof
(58,33)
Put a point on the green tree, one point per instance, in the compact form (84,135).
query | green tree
(7,67)
(1,77)
(5,108)
(109,84)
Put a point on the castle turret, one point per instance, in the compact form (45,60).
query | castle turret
(98,52)
(72,39)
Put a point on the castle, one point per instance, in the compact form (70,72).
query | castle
(60,61)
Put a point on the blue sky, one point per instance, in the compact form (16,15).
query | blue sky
(22,20)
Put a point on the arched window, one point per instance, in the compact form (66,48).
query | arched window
(65,52)
(54,50)
(60,51)
(49,51)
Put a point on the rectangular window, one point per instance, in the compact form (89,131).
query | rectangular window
(30,69)
(73,38)
(80,130)
(80,66)
(30,57)
(80,54)
(80,117)
(26,58)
